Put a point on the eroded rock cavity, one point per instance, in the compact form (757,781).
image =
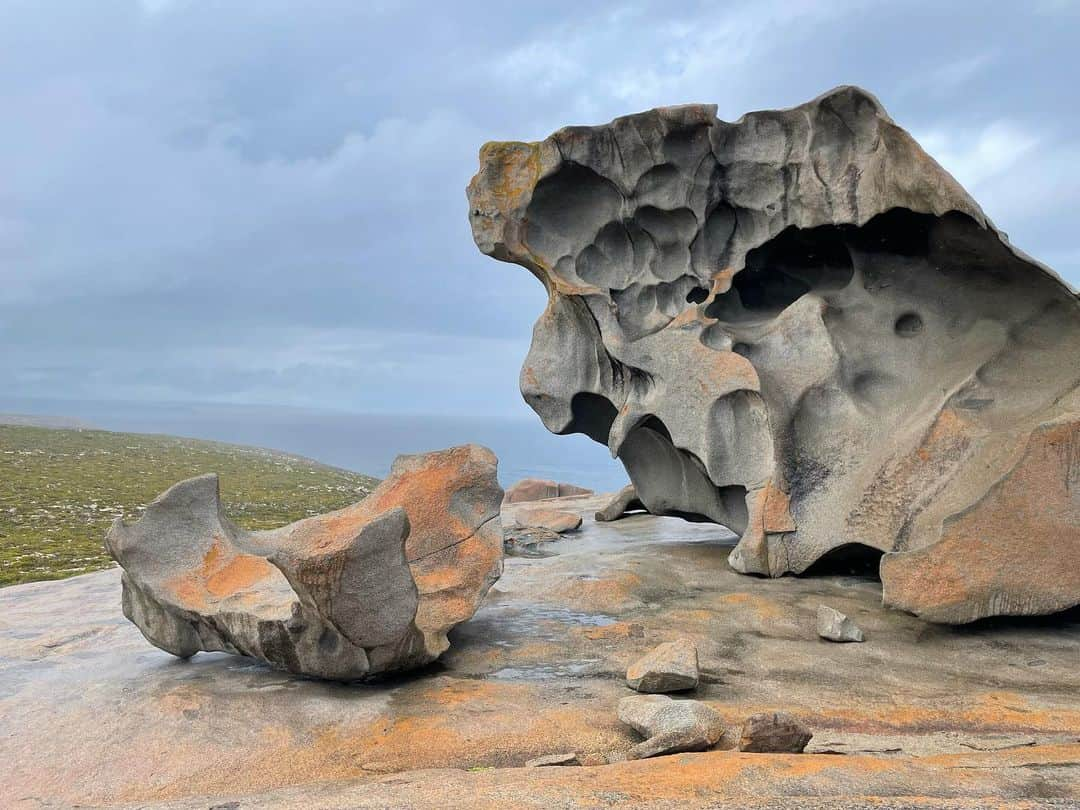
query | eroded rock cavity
(798,325)
(369,589)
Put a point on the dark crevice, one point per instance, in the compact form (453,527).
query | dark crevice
(784,269)
(995,624)
(850,559)
(593,415)
(697,295)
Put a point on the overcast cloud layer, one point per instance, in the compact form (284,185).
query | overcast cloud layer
(263,201)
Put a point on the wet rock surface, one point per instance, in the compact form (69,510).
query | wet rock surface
(773,733)
(751,305)
(835,626)
(987,709)
(669,726)
(671,667)
(369,589)
(528,541)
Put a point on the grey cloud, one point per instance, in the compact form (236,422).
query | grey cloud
(228,201)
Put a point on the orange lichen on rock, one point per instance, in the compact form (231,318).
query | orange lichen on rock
(367,589)
(996,557)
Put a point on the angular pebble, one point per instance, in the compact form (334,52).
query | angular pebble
(835,626)
(671,667)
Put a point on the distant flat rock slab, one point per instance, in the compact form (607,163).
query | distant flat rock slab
(742,310)
(541,489)
(556,520)
(369,589)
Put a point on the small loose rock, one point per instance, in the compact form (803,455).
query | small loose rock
(774,733)
(835,626)
(669,726)
(671,667)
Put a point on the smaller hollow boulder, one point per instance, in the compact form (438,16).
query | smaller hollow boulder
(669,726)
(774,733)
(368,589)
(835,626)
(671,667)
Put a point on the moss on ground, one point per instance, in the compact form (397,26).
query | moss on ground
(61,489)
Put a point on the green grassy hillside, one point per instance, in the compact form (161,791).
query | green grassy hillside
(61,489)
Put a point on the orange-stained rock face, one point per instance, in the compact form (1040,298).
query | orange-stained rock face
(1018,546)
(368,589)
(454,545)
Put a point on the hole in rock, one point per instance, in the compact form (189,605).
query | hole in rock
(909,324)
(697,295)
(851,559)
(593,415)
(784,269)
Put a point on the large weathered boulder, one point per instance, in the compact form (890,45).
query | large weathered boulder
(799,326)
(369,589)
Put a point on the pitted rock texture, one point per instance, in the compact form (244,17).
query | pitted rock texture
(369,589)
(799,326)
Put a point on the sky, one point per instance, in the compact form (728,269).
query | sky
(263,202)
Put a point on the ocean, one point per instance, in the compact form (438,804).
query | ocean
(363,442)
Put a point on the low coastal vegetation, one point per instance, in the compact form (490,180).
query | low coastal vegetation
(61,489)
